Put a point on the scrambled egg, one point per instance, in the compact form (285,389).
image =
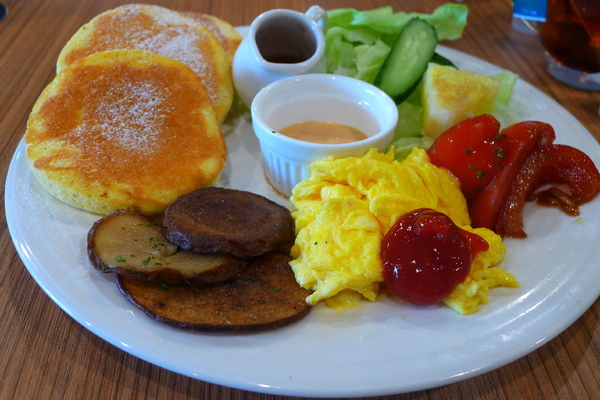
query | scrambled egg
(346,206)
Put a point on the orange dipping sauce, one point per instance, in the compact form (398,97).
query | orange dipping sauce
(323,132)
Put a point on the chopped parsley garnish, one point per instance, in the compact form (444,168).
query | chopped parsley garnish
(500,153)
(478,173)
(163,287)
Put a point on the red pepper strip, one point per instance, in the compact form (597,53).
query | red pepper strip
(522,139)
(573,167)
(510,220)
(472,151)
(553,164)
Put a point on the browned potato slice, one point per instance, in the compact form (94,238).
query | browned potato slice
(132,245)
(228,221)
(263,296)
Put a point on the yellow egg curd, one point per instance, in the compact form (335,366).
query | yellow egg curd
(346,206)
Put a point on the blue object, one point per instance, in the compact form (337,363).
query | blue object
(533,10)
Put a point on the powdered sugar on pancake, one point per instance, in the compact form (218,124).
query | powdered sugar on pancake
(169,34)
(178,47)
(131,117)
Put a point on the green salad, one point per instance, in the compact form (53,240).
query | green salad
(360,44)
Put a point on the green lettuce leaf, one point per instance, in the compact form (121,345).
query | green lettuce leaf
(357,42)
(507,80)
(409,131)
(448,20)
(404,146)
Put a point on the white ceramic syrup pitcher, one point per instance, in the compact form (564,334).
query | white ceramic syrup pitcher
(280,43)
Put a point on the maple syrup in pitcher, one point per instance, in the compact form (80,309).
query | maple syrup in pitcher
(571,33)
(280,44)
(285,41)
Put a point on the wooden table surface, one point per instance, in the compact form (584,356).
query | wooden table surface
(44,354)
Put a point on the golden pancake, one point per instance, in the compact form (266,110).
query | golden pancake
(161,31)
(124,130)
(225,33)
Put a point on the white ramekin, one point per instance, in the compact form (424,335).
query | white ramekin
(317,97)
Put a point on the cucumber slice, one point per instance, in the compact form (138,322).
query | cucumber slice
(407,61)
(441,60)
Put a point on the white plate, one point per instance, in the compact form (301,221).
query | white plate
(375,349)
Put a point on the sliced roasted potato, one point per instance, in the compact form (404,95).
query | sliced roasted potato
(133,246)
(265,295)
(219,220)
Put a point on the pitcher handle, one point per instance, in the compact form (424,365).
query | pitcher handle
(318,15)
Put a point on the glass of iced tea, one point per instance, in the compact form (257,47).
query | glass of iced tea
(571,37)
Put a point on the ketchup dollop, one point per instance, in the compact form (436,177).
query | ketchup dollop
(425,255)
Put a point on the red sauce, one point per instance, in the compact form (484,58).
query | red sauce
(425,255)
